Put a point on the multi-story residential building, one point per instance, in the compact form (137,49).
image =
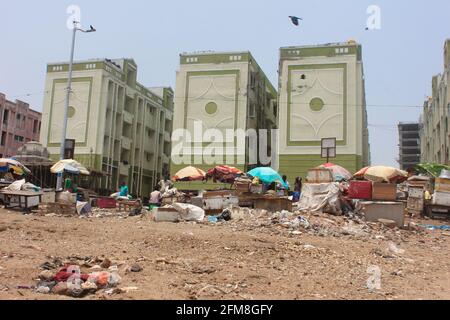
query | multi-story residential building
(120,127)
(18,125)
(225,92)
(434,122)
(409,145)
(322,95)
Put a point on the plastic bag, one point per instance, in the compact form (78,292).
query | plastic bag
(189,212)
(16,185)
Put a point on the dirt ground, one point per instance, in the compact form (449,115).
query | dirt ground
(226,260)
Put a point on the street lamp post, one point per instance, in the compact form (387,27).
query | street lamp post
(66,105)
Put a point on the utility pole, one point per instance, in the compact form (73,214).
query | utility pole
(67,102)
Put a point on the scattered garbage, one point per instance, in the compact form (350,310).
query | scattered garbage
(212,219)
(394,249)
(431,227)
(71,281)
(189,212)
(83,208)
(225,215)
(136,268)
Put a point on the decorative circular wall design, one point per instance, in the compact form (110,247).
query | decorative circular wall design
(70,112)
(316,104)
(211,108)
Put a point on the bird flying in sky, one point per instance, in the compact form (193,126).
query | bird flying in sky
(295,20)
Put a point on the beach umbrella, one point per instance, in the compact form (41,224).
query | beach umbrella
(267,175)
(71,166)
(189,174)
(339,173)
(7,164)
(385,174)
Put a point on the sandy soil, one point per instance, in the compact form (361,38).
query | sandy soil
(234,260)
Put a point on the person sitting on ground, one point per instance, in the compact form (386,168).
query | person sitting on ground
(155,197)
(282,191)
(123,192)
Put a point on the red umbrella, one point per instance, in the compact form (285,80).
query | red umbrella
(223,174)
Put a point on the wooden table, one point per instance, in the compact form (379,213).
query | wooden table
(128,205)
(20,199)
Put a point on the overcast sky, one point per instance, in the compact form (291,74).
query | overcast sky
(399,59)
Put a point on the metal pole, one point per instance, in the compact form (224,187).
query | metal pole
(66,106)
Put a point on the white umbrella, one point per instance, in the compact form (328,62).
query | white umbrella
(71,166)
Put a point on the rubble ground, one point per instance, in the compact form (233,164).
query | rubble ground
(254,256)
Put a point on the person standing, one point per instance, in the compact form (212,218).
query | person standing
(298,189)
(165,184)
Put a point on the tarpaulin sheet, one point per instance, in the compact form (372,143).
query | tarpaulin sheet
(321,197)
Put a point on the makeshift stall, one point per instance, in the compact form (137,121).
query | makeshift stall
(36,158)
(12,170)
(267,175)
(25,200)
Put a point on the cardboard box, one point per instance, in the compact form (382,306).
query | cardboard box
(384,191)
(442,185)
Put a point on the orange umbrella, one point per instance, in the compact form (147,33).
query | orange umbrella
(189,174)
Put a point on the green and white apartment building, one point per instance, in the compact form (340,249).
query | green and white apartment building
(322,95)
(222,91)
(120,127)
(435,119)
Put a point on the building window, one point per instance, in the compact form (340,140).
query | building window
(18,138)
(252,111)
(3,141)
(5,117)
(35,126)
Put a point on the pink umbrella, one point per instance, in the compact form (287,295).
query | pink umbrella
(339,173)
